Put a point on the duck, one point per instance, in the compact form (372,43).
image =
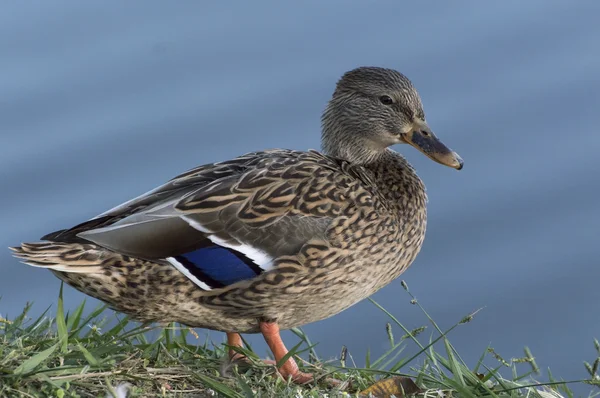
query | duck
(269,240)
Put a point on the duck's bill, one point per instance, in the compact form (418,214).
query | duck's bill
(425,141)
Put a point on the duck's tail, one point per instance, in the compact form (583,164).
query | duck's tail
(145,290)
(63,257)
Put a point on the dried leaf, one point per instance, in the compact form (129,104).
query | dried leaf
(397,386)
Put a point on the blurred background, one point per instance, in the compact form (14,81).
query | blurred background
(102,102)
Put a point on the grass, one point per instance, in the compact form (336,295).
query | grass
(78,355)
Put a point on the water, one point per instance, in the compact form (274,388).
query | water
(99,103)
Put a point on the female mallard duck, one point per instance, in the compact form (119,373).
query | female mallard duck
(268,240)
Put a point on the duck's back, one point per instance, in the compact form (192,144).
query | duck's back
(278,194)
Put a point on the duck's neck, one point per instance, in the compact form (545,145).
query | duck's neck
(342,137)
(398,182)
(395,178)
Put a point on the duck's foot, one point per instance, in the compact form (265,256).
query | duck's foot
(289,370)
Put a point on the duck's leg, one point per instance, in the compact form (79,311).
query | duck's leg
(270,331)
(235,340)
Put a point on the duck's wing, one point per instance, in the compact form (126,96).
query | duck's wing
(226,222)
(177,187)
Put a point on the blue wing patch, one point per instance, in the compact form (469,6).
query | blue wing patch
(218,266)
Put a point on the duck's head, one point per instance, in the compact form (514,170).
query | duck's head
(374,108)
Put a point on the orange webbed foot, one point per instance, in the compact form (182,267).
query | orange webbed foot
(289,370)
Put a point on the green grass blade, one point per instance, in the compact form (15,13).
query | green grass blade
(246,389)
(92,360)
(61,325)
(312,354)
(92,315)
(454,366)
(74,319)
(480,361)
(291,352)
(17,323)
(31,363)
(389,356)
(397,322)
(397,366)
(115,330)
(35,324)
(219,387)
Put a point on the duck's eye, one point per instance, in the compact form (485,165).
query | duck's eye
(386,100)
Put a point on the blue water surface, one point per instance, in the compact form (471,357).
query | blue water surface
(102,101)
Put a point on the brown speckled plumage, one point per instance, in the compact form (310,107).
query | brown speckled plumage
(337,226)
(366,246)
